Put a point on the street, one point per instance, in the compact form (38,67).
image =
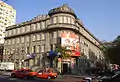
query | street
(4,78)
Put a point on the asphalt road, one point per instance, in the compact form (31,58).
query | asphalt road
(6,78)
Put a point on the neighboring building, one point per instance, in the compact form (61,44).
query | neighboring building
(28,43)
(7,18)
(1,52)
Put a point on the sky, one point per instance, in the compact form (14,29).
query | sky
(100,17)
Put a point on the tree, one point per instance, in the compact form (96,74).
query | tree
(113,51)
(64,53)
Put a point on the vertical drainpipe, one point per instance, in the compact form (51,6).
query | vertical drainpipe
(77,59)
(59,44)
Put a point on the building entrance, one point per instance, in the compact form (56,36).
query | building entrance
(65,68)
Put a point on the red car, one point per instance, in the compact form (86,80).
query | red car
(46,74)
(24,73)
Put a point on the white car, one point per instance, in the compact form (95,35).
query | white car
(86,79)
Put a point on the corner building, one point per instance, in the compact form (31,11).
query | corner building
(31,43)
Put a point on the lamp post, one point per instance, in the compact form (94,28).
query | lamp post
(22,58)
(59,63)
(58,53)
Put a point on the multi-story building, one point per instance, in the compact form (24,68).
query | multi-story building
(32,42)
(7,18)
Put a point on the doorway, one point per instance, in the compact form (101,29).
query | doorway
(65,68)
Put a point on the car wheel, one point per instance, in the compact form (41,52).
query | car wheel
(54,77)
(49,77)
(12,75)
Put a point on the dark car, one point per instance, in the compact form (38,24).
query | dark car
(105,73)
(114,78)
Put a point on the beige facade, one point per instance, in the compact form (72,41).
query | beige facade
(42,34)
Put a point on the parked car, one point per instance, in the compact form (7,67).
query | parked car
(24,73)
(105,73)
(114,78)
(49,74)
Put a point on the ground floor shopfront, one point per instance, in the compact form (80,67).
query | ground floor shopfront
(67,65)
(61,65)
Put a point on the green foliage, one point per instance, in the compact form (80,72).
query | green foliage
(113,51)
(65,53)
(82,54)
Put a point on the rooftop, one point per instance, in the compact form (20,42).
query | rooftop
(62,9)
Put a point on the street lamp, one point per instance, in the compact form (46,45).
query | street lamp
(22,58)
(58,53)
(59,64)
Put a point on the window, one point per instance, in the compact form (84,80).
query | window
(60,19)
(10,32)
(22,39)
(65,19)
(17,40)
(38,49)
(42,48)
(13,41)
(33,37)
(68,19)
(28,28)
(38,26)
(5,23)
(42,25)
(72,21)
(27,38)
(6,33)
(23,29)
(34,49)
(14,31)
(9,42)
(27,50)
(51,47)
(54,19)
(47,22)
(18,30)
(38,36)
(6,42)
(33,27)
(55,34)
(42,36)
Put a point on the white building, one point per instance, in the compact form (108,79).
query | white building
(7,18)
